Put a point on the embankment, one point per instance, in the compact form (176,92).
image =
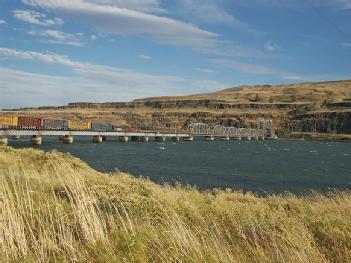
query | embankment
(56,208)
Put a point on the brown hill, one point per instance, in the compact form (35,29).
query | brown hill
(307,107)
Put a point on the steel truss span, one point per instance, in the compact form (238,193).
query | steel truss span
(202,129)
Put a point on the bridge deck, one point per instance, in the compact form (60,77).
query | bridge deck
(88,133)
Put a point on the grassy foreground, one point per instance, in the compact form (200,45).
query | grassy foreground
(55,208)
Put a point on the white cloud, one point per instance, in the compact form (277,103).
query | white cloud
(148,6)
(90,82)
(57,37)
(271,46)
(93,37)
(119,21)
(142,56)
(2,22)
(204,70)
(346,45)
(36,18)
(211,11)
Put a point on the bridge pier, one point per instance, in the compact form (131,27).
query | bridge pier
(15,137)
(175,139)
(188,138)
(68,139)
(225,138)
(144,138)
(209,138)
(3,141)
(160,138)
(97,139)
(236,138)
(254,138)
(246,138)
(123,138)
(36,140)
(261,138)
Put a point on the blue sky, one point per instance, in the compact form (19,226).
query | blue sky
(57,51)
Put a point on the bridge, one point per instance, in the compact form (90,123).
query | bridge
(194,130)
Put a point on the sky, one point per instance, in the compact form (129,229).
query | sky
(53,52)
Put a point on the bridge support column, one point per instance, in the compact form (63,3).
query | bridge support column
(246,138)
(36,140)
(261,138)
(209,138)
(68,139)
(160,138)
(97,139)
(3,140)
(188,138)
(144,138)
(123,138)
(225,138)
(175,139)
(15,137)
(254,138)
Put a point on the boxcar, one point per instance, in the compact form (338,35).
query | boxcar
(78,125)
(116,128)
(55,124)
(134,129)
(101,126)
(8,121)
(30,123)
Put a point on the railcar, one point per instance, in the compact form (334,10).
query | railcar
(101,126)
(116,128)
(78,125)
(50,124)
(8,122)
(30,123)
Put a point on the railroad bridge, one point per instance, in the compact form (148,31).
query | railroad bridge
(196,130)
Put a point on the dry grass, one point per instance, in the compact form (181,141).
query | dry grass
(56,208)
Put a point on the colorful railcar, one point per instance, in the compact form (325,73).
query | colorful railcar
(101,126)
(50,124)
(78,125)
(30,123)
(8,122)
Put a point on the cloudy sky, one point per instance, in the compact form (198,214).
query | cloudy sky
(57,51)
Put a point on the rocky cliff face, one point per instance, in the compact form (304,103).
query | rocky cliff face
(308,107)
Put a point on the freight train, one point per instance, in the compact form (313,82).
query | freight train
(30,123)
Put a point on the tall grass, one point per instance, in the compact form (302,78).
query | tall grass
(55,208)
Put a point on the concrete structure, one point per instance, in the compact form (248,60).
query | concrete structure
(160,138)
(36,140)
(68,139)
(123,138)
(188,138)
(176,139)
(144,138)
(3,141)
(97,139)
(209,138)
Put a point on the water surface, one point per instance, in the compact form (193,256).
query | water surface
(259,166)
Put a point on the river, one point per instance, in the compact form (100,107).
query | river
(258,166)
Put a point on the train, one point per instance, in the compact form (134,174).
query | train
(31,123)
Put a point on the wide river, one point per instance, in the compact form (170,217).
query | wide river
(259,166)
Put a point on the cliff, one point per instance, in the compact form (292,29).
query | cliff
(307,107)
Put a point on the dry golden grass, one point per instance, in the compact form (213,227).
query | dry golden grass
(55,208)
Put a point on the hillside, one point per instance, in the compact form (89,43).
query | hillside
(323,107)
(55,208)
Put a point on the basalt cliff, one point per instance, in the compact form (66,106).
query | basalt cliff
(323,107)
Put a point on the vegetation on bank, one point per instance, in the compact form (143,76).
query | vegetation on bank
(56,208)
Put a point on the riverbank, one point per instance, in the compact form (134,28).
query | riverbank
(57,208)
